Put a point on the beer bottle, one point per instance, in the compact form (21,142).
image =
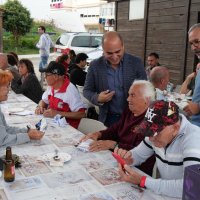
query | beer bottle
(9,170)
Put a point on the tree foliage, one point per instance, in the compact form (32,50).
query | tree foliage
(16,19)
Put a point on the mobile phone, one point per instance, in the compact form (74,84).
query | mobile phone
(38,125)
(119,159)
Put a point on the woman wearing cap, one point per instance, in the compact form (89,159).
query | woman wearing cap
(28,85)
(175,143)
(13,135)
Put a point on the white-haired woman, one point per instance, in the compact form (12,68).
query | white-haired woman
(122,133)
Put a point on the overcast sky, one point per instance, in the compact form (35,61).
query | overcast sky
(39,9)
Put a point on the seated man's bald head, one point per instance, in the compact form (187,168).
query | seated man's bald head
(159,76)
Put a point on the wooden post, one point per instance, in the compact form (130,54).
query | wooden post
(1,30)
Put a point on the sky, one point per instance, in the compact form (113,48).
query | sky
(39,9)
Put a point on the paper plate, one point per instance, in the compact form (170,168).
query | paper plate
(14,110)
(64,157)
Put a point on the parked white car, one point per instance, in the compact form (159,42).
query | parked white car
(98,52)
(79,42)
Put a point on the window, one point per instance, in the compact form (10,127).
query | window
(81,41)
(96,41)
(136,9)
(63,40)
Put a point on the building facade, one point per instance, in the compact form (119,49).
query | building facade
(95,15)
(159,26)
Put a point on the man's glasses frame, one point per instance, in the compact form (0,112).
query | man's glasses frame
(195,43)
(48,74)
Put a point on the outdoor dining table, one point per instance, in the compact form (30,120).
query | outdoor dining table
(82,176)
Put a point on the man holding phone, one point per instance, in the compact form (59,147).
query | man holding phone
(110,77)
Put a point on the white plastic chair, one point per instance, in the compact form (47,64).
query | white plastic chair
(88,125)
(87,103)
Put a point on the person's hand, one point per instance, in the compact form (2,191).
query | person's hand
(129,175)
(93,136)
(35,134)
(126,155)
(191,76)
(192,108)
(101,145)
(39,110)
(105,96)
(50,113)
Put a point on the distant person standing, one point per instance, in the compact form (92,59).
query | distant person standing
(44,45)
(193,107)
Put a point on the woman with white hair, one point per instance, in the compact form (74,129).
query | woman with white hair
(122,133)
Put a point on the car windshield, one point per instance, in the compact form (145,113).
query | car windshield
(63,40)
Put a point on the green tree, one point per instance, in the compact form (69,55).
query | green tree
(16,19)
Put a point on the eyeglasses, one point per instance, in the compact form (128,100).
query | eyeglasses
(195,43)
(48,74)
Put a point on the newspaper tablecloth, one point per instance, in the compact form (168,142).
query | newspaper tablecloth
(87,176)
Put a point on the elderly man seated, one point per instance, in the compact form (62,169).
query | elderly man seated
(159,77)
(61,97)
(122,133)
(174,141)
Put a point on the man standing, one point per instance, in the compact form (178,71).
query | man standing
(110,77)
(152,61)
(44,45)
(193,107)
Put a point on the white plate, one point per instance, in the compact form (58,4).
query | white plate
(13,110)
(64,157)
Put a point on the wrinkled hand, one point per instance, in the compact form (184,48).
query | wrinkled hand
(50,113)
(34,134)
(93,136)
(130,175)
(105,96)
(39,110)
(126,155)
(101,145)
